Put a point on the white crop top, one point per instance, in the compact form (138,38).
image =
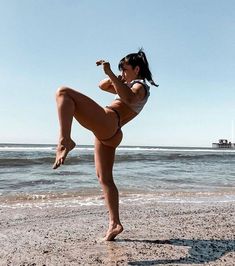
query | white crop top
(138,106)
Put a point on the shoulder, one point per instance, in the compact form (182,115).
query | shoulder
(136,86)
(139,89)
(140,82)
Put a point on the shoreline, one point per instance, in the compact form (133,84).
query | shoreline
(94,197)
(154,234)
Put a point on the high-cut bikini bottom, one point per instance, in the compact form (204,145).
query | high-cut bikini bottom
(114,140)
(118,115)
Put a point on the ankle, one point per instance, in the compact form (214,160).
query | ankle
(63,140)
(113,224)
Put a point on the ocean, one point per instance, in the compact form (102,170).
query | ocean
(143,174)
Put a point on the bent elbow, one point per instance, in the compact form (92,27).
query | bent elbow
(101,86)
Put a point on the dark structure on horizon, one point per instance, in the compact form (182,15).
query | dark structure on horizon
(223,143)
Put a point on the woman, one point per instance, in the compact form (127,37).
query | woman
(132,93)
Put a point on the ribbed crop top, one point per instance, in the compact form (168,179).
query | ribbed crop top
(138,106)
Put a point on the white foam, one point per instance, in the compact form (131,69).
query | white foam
(120,148)
(125,200)
(26,148)
(176,149)
(84,148)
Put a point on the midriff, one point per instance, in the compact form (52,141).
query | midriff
(126,114)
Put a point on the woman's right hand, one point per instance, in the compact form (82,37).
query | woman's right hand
(100,62)
(106,66)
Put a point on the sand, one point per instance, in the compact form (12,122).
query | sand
(155,234)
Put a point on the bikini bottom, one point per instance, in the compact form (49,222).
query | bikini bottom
(116,139)
(118,115)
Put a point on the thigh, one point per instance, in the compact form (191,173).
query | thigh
(102,122)
(104,160)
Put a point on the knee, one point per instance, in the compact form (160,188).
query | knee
(105,180)
(62,91)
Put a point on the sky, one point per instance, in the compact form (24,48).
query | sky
(190,45)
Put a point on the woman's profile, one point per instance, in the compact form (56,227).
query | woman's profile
(131,94)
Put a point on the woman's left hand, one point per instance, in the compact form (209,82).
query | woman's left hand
(106,66)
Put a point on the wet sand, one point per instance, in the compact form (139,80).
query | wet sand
(154,234)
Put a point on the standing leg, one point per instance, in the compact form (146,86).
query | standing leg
(104,160)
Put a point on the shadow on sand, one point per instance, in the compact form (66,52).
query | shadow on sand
(200,251)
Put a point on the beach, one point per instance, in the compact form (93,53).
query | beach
(177,206)
(57,233)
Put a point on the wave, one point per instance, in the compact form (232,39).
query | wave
(120,158)
(5,163)
(33,183)
(169,157)
(38,159)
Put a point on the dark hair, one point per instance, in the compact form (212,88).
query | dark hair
(138,59)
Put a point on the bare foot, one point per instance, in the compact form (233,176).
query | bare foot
(63,149)
(113,232)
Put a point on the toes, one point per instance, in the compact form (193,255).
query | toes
(110,238)
(55,165)
(61,154)
(111,234)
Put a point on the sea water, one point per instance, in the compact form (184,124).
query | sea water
(143,174)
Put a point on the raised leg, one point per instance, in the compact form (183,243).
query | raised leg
(71,103)
(66,110)
(104,159)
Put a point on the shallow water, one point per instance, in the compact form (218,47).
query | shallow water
(159,173)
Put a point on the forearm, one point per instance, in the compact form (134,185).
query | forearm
(120,88)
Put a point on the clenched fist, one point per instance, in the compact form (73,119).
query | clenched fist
(106,66)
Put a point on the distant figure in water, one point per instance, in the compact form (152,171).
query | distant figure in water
(131,94)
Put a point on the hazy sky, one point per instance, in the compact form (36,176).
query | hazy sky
(190,45)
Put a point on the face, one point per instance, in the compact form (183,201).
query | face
(129,73)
